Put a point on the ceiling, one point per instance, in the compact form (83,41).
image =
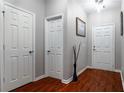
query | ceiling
(89,5)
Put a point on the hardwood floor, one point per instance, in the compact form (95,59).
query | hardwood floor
(91,80)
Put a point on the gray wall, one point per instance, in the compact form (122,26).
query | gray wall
(54,7)
(74,10)
(122,41)
(105,17)
(36,6)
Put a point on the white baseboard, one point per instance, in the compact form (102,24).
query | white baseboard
(71,78)
(91,67)
(81,71)
(122,79)
(40,77)
(67,81)
(114,70)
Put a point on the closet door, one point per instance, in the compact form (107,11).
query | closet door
(18,46)
(55,47)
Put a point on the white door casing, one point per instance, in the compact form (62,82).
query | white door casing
(19,47)
(1,45)
(103,47)
(54,46)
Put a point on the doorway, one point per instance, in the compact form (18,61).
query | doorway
(19,48)
(54,46)
(103,47)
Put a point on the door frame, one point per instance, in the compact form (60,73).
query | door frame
(46,44)
(2,45)
(113,49)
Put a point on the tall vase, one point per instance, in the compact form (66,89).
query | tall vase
(75,72)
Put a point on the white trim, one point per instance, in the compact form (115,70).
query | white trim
(113,70)
(81,71)
(122,79)
(1,47)
(46,45)
(34,51)
(67,81)
(56,15)
(113,56)
(19,8)
(33,38)
(40,77)
(91,67)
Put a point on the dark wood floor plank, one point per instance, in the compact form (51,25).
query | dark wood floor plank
(91,80)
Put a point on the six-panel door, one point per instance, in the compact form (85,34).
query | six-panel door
(55,45)
(18,43)
(103,47)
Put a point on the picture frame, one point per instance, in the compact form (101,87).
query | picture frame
(122,24)
(80,27)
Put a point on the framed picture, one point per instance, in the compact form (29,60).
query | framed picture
(80,27)
(122,24)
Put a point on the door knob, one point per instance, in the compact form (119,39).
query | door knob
(49,51)
(31,52)
(94,48)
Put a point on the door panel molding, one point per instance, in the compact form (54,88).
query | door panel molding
(2,38)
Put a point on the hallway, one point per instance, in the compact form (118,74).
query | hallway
(43,43)
(91,80)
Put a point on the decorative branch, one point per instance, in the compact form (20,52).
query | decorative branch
(76,54)
(74,49)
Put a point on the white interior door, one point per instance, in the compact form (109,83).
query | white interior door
(54,47)
(103,47)
(18,48)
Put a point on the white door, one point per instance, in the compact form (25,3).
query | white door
(18,48)
(55,47)
(103,47)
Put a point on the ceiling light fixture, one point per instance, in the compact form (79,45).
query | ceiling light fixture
(99,1)
(99,5)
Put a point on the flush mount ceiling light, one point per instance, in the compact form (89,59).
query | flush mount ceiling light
(99,1)
(99,5)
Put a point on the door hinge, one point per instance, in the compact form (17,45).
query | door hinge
(3,13)
(3,79)
(3,47)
